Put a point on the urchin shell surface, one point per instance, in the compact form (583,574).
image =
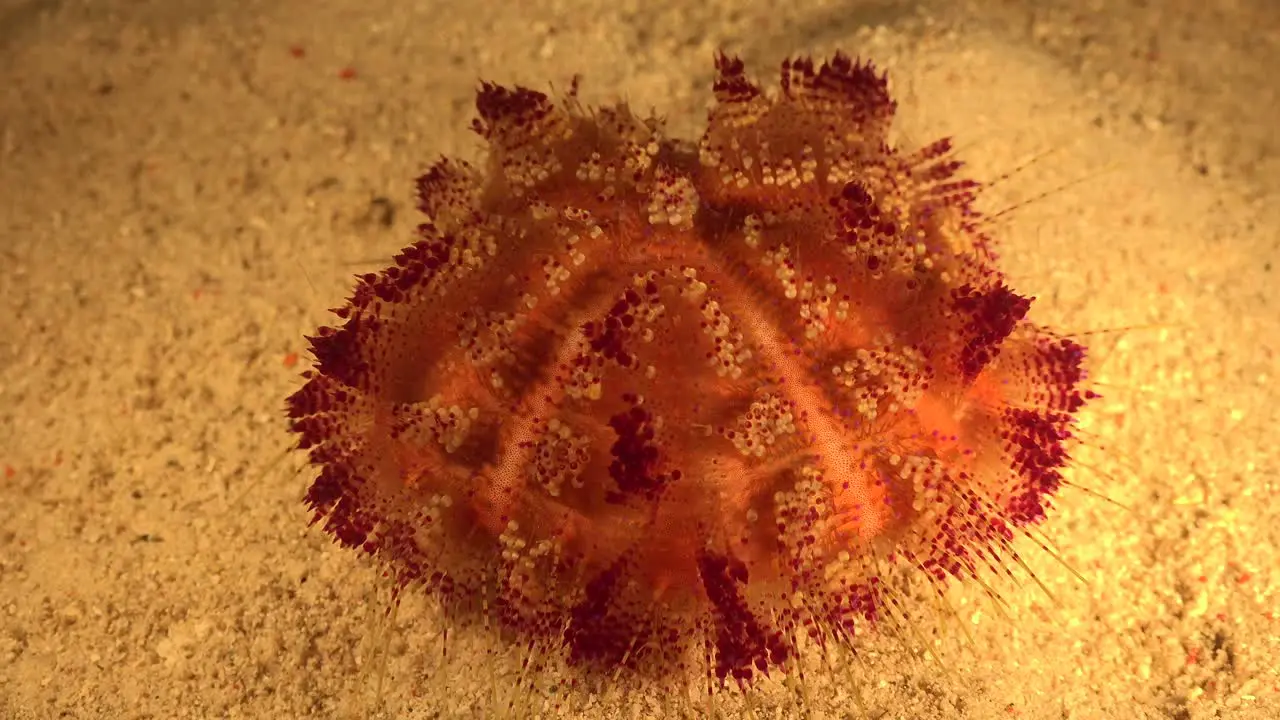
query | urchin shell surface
(666,405)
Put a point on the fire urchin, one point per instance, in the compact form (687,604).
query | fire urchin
(668,407)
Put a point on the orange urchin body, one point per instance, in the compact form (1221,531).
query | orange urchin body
(662,405)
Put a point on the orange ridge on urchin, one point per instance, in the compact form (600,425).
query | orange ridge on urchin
(667,406)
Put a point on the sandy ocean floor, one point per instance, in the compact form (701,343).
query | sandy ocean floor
(185,187)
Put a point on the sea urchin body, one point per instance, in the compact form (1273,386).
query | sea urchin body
(665,405)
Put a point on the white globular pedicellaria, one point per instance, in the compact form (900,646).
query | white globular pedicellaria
(804,511)
(768,420)
(560,456)
(487,336)
(729,351)
(882,379)
(447,426)
(673,201)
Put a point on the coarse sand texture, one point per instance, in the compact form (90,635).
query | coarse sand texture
(670,371)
